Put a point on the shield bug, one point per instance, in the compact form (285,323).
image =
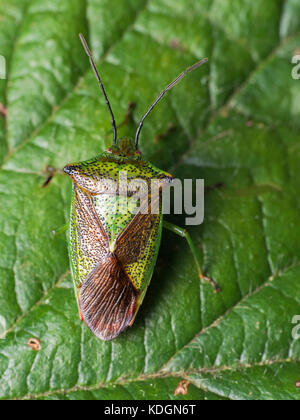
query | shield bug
(113,249)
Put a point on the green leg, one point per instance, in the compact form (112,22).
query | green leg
(62,229)
(184,234)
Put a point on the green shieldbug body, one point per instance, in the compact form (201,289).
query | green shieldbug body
(113,249)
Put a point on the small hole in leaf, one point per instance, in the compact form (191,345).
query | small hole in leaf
(182,388)
(34,344)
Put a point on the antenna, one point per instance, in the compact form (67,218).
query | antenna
(193,67)
(89,54)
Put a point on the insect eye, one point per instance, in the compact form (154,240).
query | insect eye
(69,169)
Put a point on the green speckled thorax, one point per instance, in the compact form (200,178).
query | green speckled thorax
(104,227)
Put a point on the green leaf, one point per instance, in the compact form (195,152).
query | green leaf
(236,123)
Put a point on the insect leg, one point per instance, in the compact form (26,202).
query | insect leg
(57,232)
(184,234)
(50,172)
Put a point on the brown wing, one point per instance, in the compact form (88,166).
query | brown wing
(132,242)
(107,299)
(91,234)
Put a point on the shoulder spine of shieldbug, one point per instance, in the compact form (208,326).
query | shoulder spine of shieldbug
(113,252)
